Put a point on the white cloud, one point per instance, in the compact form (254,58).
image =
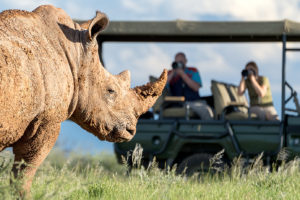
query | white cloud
(133,6)
(141,59)
(237,9)
(154,61)
(142,5)
(265,51)
(27,4)
(78,11)
(230,9)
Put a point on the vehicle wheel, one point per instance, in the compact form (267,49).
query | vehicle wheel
(197,163)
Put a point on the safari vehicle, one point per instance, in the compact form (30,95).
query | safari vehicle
(176,136)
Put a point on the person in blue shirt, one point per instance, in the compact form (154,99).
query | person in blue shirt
(185,81)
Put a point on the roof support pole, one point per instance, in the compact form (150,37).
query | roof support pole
(283,76)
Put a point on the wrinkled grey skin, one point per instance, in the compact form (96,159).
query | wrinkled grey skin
(49,72)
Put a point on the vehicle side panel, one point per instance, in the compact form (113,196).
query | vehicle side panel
(258,136)
(293,135)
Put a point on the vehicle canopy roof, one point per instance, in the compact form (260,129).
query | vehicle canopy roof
(197,31)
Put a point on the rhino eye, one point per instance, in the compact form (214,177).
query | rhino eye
(110,91)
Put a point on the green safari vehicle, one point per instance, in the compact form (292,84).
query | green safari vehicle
(176,136)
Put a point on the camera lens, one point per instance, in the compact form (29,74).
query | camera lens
(180,65)
(245,72)
(174,65)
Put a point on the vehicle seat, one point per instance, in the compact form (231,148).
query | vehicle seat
(181,110)
(228,104)
(161,106)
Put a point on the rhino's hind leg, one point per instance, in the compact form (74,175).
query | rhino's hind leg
(33,151)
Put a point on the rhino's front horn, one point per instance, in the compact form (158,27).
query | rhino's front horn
(148,94)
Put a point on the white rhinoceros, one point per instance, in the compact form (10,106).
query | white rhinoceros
(50,72)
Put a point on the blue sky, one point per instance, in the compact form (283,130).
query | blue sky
(217,61)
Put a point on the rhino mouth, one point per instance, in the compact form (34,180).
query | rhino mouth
(131,130)
(122,135)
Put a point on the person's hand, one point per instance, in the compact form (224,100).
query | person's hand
(251,77)
(172,72)
(179,71)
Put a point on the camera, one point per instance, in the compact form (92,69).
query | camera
(176,65)
(246,72)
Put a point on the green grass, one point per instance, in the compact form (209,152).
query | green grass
(100,177)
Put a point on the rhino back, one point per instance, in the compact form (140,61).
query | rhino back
(36,79)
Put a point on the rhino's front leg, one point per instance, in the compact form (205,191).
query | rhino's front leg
(33,150)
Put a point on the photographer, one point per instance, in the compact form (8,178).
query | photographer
(259,91)
(185,81)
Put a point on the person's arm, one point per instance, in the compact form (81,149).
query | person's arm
(242,86)
(260,90)
(170,76)
(192,84)
(198,77)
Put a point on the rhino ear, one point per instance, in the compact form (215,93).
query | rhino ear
(125,78)
(96,25)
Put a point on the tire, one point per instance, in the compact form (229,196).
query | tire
(196,163)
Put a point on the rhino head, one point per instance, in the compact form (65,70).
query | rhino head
(107,106)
